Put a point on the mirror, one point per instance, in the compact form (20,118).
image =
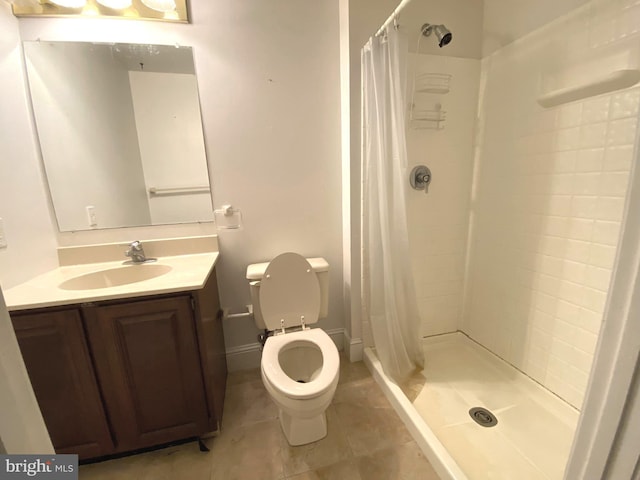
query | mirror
(120,133)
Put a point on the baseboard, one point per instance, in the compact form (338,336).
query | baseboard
(247,357)
(244,357)
(354,347)
(337,335)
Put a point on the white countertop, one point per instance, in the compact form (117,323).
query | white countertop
(188,272)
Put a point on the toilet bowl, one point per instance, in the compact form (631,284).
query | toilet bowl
(300,372)
(299,365)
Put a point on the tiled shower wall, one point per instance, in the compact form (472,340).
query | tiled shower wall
(549,194)
(438,221)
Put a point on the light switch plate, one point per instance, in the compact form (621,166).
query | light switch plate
(91,216)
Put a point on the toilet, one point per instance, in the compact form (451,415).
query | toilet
(299,364)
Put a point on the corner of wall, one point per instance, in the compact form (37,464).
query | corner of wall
(24,204)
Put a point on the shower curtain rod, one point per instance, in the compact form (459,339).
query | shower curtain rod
(393,16)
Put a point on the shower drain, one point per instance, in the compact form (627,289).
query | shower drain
(483,417)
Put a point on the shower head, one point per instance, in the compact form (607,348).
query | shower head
(442,33)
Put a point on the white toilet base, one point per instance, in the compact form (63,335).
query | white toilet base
(300,431)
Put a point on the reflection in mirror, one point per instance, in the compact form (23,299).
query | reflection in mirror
(120,132)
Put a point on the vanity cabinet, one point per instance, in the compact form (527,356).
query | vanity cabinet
(147,361)
(121,375)
(56,355)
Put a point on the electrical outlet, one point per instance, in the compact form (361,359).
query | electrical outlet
(3,237)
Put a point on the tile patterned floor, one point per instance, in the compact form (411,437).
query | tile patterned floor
(366,440)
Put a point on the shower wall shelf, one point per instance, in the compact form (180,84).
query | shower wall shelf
(424,85)
(614,81)
(428,119)
(439,83)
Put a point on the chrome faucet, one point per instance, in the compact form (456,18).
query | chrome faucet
(136,252)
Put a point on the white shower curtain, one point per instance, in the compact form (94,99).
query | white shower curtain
(389,291)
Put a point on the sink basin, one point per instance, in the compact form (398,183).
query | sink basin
(115,277)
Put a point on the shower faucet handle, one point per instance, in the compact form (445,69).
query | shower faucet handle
(426,178)
(420,178)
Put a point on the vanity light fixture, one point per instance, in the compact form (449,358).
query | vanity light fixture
(24,3)
(161,5)
(160,10)
(115,4)
(70,3)
(91,9)
(172,15)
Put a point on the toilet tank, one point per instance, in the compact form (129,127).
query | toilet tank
(255,272)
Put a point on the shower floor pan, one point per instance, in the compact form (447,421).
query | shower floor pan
(534,430)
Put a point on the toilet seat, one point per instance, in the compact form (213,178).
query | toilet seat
(289,291)
(280,381)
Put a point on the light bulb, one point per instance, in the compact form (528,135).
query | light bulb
(69,3)
(160,5)
(115,4)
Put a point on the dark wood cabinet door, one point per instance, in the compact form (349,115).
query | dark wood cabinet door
(212,348)
(148,364)
(59,365)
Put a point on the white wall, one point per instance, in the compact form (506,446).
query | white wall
(438,221)
(23,200)
(506,20)
(169,126)
(550,192)
(31,243)
(84,114)
(268,75)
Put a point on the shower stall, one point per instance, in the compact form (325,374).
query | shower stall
(520,138)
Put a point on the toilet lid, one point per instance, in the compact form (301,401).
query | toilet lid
(289,289)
